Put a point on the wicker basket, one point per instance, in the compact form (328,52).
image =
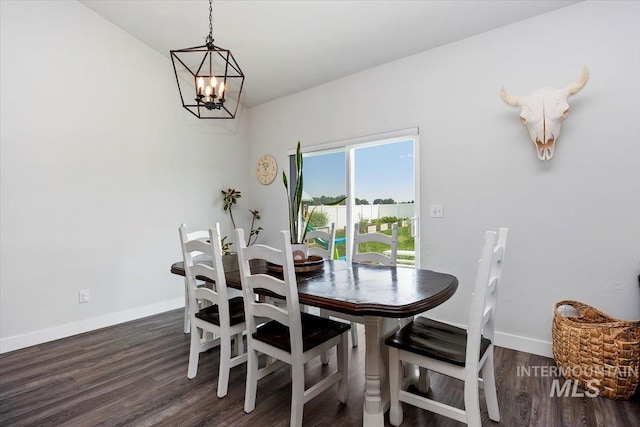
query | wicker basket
(595,346)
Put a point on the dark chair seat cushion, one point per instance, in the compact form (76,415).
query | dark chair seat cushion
(315,331)
(434,339)
(211,314)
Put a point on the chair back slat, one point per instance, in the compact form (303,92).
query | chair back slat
(206,294)
(200,235)
(263,252)
(492,285)
(203,270)
(498,254)
(199,271)
(270,311)
(486,315)
(375,257)
(375,237)
(198,246)
(269,283)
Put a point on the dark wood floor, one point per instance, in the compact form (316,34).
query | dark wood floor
(136,374)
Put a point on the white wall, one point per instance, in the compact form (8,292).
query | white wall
(100,165)
(574,221)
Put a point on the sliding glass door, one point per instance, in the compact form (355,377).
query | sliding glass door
(380,180)
(384,193)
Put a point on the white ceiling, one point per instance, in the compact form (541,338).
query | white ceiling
(284,47)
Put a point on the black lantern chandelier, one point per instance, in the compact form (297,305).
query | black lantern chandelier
(209,79)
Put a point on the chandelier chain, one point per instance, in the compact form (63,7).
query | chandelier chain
(210,21)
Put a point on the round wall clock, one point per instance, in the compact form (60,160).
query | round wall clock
(266,169)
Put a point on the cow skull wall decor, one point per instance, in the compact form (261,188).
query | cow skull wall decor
(543,112)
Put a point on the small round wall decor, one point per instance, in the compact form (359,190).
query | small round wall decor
(266,169)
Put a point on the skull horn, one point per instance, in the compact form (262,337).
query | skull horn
(514,101)
(575,87)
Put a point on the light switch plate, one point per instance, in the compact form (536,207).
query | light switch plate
(437,211)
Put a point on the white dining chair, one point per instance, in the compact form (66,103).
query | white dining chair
(373,257)
(320,238)
(291,337)
(202,235)
(219,315)
(453,351)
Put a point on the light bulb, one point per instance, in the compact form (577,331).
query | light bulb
(213,81)
(200,86)
(221,90)
(208,90)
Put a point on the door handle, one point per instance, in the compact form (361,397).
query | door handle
(415,226)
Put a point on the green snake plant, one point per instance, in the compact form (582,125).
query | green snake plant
(294,199)
(297,224)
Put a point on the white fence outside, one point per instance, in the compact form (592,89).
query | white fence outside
(338,214)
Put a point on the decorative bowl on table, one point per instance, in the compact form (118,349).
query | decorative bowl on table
(312,263)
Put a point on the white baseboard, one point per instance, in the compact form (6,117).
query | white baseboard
(517,342)
(525,344)
(62,331)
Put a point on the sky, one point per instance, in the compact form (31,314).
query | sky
(382,171)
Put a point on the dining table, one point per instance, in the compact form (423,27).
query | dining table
(383,298)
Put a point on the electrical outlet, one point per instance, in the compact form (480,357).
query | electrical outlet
(437,211)
(83,296)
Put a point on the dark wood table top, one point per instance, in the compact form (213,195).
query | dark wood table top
(359,289)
